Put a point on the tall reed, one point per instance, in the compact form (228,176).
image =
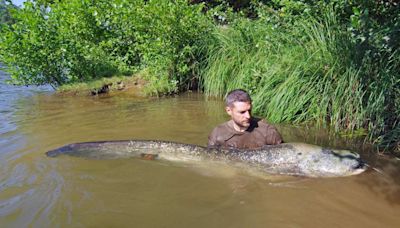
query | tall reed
(300,72)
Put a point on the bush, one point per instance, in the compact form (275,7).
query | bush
(74,41)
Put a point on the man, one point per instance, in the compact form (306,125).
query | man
(243,131)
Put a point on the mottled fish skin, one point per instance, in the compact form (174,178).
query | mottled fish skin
(288,158)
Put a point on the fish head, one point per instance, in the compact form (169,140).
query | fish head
(334,163)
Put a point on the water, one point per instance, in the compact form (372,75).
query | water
(38,191)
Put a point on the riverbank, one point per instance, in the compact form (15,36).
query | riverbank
(144,83)
(134,85)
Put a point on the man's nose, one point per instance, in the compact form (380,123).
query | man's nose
(247,115)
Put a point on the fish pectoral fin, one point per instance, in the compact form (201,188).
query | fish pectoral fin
(145,156)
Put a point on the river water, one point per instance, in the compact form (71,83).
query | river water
(37,191)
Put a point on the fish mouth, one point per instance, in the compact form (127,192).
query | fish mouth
(360,167)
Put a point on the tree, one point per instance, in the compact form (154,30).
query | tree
(5,17)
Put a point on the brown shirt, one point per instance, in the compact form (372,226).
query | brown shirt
(257,135)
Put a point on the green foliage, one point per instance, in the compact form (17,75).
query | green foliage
(61,42)
(307,70)
(5,17)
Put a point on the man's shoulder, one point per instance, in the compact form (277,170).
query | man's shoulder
(263,123)
(223,127)
(221,132)
(270,131)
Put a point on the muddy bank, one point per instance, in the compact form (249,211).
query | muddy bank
(133,85)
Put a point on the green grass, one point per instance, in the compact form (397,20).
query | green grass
(306,72)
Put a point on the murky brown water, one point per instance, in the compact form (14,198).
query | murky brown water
(38,191)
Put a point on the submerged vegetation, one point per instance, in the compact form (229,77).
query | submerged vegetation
(329,63)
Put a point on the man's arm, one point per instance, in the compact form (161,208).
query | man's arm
(212,139)
(273,136)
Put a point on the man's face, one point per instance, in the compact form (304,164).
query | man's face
(240,113)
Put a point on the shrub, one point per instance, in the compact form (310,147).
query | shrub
(74,41)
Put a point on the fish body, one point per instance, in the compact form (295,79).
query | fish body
(288,158)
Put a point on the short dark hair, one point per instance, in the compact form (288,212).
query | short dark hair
(237,95)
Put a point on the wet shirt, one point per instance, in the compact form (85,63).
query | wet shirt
(257,135)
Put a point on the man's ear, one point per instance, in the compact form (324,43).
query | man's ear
(228,110)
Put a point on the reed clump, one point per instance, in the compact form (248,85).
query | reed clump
(307,71)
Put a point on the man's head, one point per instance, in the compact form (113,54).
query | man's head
(238,107)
